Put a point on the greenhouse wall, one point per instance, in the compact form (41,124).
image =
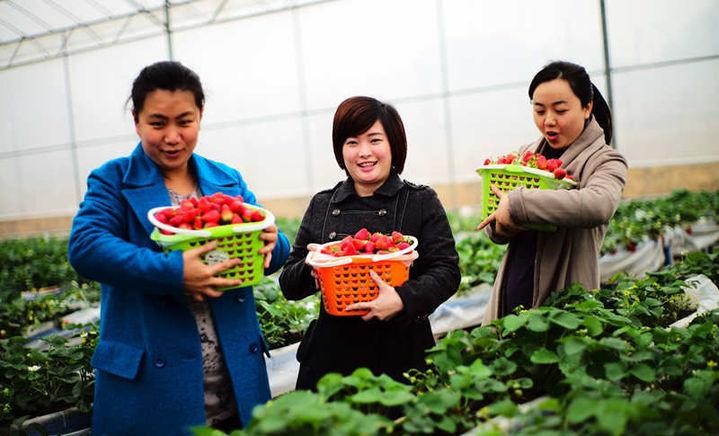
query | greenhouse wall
(456,70)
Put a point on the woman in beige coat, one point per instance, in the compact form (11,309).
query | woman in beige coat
(575,123)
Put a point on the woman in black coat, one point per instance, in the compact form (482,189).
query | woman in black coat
(370,145)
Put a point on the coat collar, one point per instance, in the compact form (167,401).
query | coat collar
(142,171)
(389,188)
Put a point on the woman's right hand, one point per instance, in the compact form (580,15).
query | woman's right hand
(199,278)
(503,224)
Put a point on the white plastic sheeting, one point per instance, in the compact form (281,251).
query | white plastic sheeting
(702,292)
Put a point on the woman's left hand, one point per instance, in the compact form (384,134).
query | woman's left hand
(269,235)
(385,306)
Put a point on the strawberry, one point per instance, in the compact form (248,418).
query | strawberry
(212,216)
(397,237)
(553,164)
(236,219)
(402,245)
(487,161)
(237,206)
(257,216)
(541,162)
(363,234)
(197,223)
(526,156)
(510,158)
(210,224)
(560,173)
(204,205)
(369,247)
(226,214)
(187,205)
(359,243)
(161,217)
(176,220)
(348,247)
(383,242)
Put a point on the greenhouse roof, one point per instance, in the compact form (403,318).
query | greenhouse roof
(37,30)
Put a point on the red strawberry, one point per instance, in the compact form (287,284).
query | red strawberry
(204,205)
(487,161)
(186,205)
(212,216)
(397,237)
(359,243)
(161,217)
(560,173)
(226,214)
(236,219)
(526,156)
(348,246)
(369,247)
(237,206)
(510,158)
(541,162)
(402,245)
(363,234)
(257,216)
(176,220)
(383,242)
(197,223)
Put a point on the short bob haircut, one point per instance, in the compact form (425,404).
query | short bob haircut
(356,115)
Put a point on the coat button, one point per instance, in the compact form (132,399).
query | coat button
(382,212)
(160,363)
(332,235)
(336,212)
(240,299)
(254,348)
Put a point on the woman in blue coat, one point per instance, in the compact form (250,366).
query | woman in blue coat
(174,352)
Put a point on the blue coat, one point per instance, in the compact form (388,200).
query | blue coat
(148,362)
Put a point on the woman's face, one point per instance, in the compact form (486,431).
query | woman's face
(168,125)
(368,159)
(558,113)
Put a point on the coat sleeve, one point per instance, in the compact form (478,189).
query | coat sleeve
(438,262)
(296,280)
(99,250)
(282,246)
(590,206)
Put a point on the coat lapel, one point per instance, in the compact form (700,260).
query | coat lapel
(144,187)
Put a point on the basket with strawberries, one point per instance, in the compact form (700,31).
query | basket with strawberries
(342,267)
(530,170)
(234,224)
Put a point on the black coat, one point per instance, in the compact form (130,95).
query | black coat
(343,344)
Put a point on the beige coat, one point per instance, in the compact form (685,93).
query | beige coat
(571,254)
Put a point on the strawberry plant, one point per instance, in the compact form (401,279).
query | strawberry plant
(282,322)
(34,382)
(479,260)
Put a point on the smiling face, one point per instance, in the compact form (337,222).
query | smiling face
(368,159)
(168,125)
(558,113)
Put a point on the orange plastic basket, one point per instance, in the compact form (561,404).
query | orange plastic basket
(346,280)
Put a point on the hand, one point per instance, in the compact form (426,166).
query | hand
(503,224)
(269,235)
(199,278)
(385,306)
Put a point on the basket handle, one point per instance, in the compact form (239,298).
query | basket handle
(268,221)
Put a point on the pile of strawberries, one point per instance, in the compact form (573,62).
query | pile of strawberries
(364,242)
(533,160)
(208,211)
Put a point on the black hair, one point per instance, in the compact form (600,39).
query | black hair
(582,87)
(166,75)
(356,115)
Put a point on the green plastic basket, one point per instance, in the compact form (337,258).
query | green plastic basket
(507,177)
(234,241)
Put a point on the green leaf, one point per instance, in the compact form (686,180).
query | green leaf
(544,356)
(537,323)
(612,415)
(593,325)
(615,371)
(574,345)
(513,322)
(698,387)
(615,343)
(644,373)
(504,408)
(440,401)
(567,320)
(580,409)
